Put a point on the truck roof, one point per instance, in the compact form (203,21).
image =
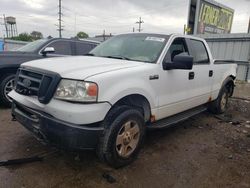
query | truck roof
(167,36)
(187,36)
(148,34)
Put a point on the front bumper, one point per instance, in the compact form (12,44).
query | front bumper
(73,113)
(56,132)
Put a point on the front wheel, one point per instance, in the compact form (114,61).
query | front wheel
(122,138)
(6,85)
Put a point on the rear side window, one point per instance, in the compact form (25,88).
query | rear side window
(61,47)
(199,52)
(84,48)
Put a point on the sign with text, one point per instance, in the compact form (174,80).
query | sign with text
(208,16)
(214,19)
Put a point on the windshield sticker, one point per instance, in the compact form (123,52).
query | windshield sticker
(158,39)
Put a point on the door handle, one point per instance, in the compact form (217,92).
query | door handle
(211,73)
(191,75)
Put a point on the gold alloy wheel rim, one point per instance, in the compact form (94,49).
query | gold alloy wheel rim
(223,101)
(127,138)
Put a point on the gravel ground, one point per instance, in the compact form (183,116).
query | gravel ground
(204,151)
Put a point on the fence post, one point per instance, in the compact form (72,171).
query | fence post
(247,72)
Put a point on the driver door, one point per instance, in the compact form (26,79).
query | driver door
(175,85)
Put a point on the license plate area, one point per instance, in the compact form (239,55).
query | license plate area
(27,117)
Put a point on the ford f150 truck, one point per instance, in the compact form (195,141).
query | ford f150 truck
(132,82)
(49,47)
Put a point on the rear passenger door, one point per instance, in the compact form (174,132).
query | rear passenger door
(62,47)
(201,85)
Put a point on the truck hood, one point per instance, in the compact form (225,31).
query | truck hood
(81,67)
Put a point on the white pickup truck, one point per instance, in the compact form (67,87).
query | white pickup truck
(107,99)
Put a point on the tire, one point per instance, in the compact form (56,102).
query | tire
(122,138)
(6,85)
(219,106)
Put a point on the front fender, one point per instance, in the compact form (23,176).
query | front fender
(129,87)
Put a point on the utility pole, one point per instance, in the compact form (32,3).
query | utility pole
(60,19)
(249,26)
(104,35)
(140,22)
(75,25)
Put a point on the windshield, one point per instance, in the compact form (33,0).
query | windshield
(33,46)
(135,47)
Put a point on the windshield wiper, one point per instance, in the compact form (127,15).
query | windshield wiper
(117,57)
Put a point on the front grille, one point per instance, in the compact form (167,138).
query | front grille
(42,84)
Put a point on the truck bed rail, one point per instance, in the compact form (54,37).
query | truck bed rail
(223,61)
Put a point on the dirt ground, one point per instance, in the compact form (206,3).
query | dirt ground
(204,151)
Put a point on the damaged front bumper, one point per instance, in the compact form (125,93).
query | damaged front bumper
(56,132)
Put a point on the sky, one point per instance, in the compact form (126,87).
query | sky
(115,16)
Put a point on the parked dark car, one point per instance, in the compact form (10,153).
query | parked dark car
(43,48)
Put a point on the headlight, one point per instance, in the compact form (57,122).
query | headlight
(76,91)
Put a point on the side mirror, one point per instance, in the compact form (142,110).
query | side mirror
(48,50)
(181,61)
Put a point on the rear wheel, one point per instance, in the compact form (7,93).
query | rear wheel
(123,137)
(6,86)
(219,106)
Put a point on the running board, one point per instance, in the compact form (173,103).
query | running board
(176,118)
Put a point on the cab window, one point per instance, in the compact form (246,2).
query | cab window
(199,52)
(177,47)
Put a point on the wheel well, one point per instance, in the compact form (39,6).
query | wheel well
(138,101)
(232,76)
(7,71)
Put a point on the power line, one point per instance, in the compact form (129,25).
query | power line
(106,20)
(94,25)
(140,22)
(145,12)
